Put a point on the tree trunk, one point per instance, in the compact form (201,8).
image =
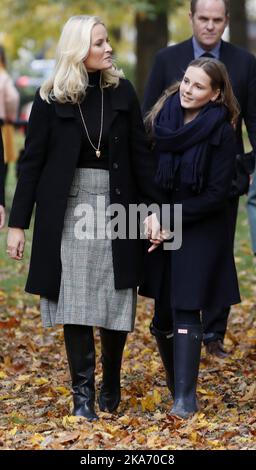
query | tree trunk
(238,23)
(152,35)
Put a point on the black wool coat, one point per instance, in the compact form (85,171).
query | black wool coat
(47,169)
(202,271)
(169,66)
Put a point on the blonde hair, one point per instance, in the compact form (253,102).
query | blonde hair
(218,74)
(70,77)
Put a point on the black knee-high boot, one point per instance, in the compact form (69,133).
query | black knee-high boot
(164,341)
(79,342)
(112,346)
(187,351)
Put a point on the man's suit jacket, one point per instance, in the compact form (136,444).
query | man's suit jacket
(171,63)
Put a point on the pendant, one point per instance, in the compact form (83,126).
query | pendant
(97,153)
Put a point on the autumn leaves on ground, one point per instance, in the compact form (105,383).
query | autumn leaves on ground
(35,401)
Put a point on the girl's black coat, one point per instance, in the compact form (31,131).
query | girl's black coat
(51,153)
(202,271)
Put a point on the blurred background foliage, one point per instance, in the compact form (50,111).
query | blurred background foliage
(138,28)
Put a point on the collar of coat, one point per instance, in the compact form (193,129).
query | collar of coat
(118,99)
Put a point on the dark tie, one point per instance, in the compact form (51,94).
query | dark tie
(207,54)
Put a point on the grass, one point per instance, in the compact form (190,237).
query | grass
(13,274)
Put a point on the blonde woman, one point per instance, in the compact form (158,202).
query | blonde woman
(85,141)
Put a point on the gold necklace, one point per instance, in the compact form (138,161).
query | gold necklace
(97,149)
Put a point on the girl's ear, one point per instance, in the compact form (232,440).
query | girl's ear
(216,95)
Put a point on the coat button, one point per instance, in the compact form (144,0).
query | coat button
(116,139)
(117,191)
(115,166)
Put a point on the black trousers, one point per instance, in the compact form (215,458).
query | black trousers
(176,317)
(214,322)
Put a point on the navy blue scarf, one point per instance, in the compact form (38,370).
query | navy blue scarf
(182,147)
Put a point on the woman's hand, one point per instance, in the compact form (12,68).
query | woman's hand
(152,227)
(15,243)
(2,216)
(152,230)
(164,235)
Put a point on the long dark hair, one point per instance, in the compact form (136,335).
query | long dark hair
(218,74)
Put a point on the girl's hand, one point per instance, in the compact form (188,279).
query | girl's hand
(152,227)
(164,235)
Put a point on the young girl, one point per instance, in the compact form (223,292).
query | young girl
(193,129)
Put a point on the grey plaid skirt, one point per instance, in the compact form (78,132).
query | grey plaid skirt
(87,293)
